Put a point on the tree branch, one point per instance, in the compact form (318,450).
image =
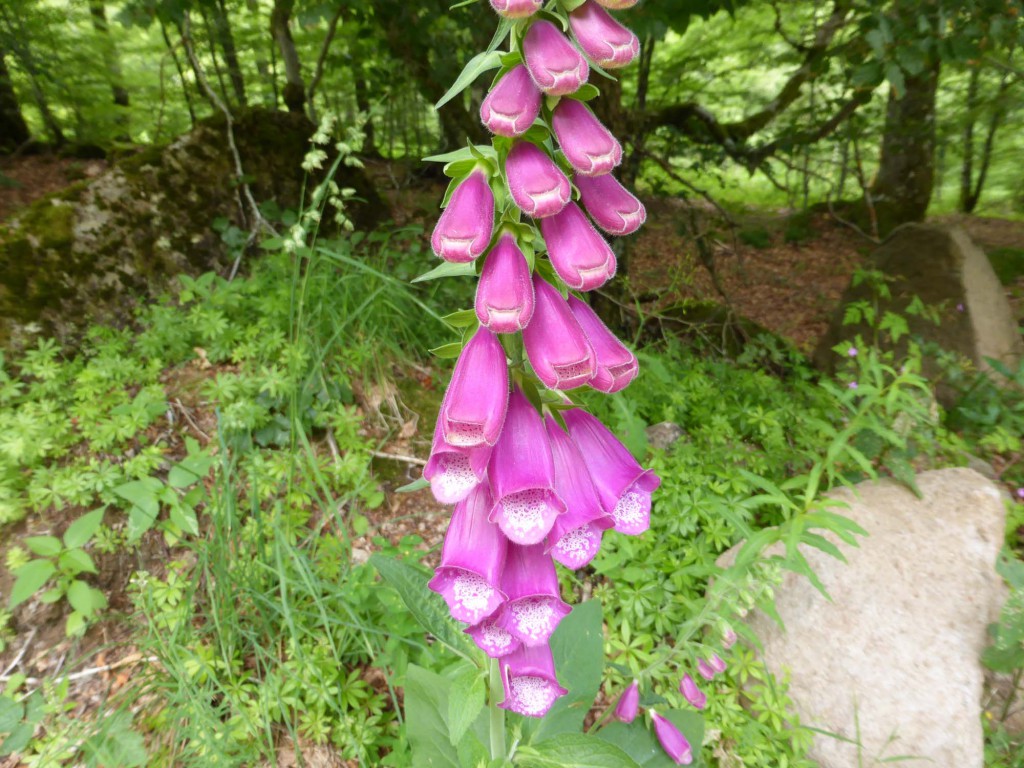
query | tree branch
(332,28)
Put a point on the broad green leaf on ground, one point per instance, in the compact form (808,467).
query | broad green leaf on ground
(577,750)
(637,739)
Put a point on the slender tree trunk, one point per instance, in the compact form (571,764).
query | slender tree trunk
(226,39)
(967,168)
(364,106)
(111,61)
(212,40)
(195,70)
(295,88)
(13,129)
(263,68)
(181,73)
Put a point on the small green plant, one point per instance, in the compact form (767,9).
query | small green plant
(756,237)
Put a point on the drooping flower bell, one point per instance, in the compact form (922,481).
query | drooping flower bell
(624,486)
(697,698)
(589,147)
(557,347)
(474,405)
(453,471)
(672,740)
(716,663)
(534,606)
(629,704)
(512,104)
(579,254)
(575,537)
(602,38)
(472,559)
(616,365)
(554,63)
(612,207)
(536,183)
(705,670)
(516,9)
(528,676)
(493,639)
(465,228)
(504,295)
(522,476)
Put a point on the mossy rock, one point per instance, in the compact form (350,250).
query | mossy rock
(84,254)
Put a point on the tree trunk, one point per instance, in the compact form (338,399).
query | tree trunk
(226,39)
(13,130)
(364,106)
(295,88)
(111,61)
(181,73)
(967,168)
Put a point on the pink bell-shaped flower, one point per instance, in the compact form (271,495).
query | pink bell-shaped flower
(453,471)
(528,676)
(672,740)
(522,476)
(589,147)
(536,183)
(512,105)
(516,9)
(534,607)
(697,698)
(504,294)
(612,207)
(554,63)
(580,256)
(477,397)
(472,559)
(575,537)
(616,365)
(602,38)
(556,346)
(705,670)
(493,639)
(624,486)
(629,704)
(464,230)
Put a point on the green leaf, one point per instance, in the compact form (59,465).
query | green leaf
(426,697)
(44,546)
(75,561)
(464,318)
(638,741)
(570,5)
(586,92)
(11,713)
(416,485)
(142,494)
(85,599)
(83,529)
(116,744)
(447,269)
(30,579)
(18,739)
(75,624)
(465,700)
(577,750)
(427,607)
(482,62)
(185,518)
(448,351)
(139,521)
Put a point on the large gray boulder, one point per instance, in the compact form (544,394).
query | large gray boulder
(893,661)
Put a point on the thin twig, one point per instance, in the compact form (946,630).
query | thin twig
(21,654)
(188,418)
(318,73)
(399,457)
(134,658)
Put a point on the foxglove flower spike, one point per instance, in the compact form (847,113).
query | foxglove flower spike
(580,256)
(537,185)
(557,347)
(465,227)
(504,295)
(474,405)
(589,147)
(512,105)
(534,605)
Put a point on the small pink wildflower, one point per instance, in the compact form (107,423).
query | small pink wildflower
(852,385)
(1020,494)
(852,352)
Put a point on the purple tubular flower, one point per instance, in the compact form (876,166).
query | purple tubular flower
(623,485)
(522,476)
(589,147)
(471,561)
(575,537)
(705,670)
(554,63)
(672,740)
(612,207)
(729,637)
(492,639)
(601,37)
(716,663)
(557,347)
(616,365)
(697,698)
(512,105)
(629,704)
(516,9)
(452,471)
(528,676)
(504,295)
(464,229)
(580,256)
(534,605)
(474,406)
(538,186)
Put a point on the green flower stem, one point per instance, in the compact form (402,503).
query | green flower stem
(497,714)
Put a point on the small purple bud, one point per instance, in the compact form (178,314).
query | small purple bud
(617,5)
(575,537)
(504,295)
(516,9)
(629,704)
(729,637)
(959,307)
(852,385)
(852,351)
(522,476)
(555,65)
(512,105)
(705,670)
(528,676)
(534,606)
(716,663)
(472,559)
(493,639)
(538,186)
(1020,493)
(612,207)
(623,485)
(580,256)
(616,365)
(557,347)
(464,229)
(672,740)
(692,693)
(452,471)
(477,397)
(602,38)
(589,147)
